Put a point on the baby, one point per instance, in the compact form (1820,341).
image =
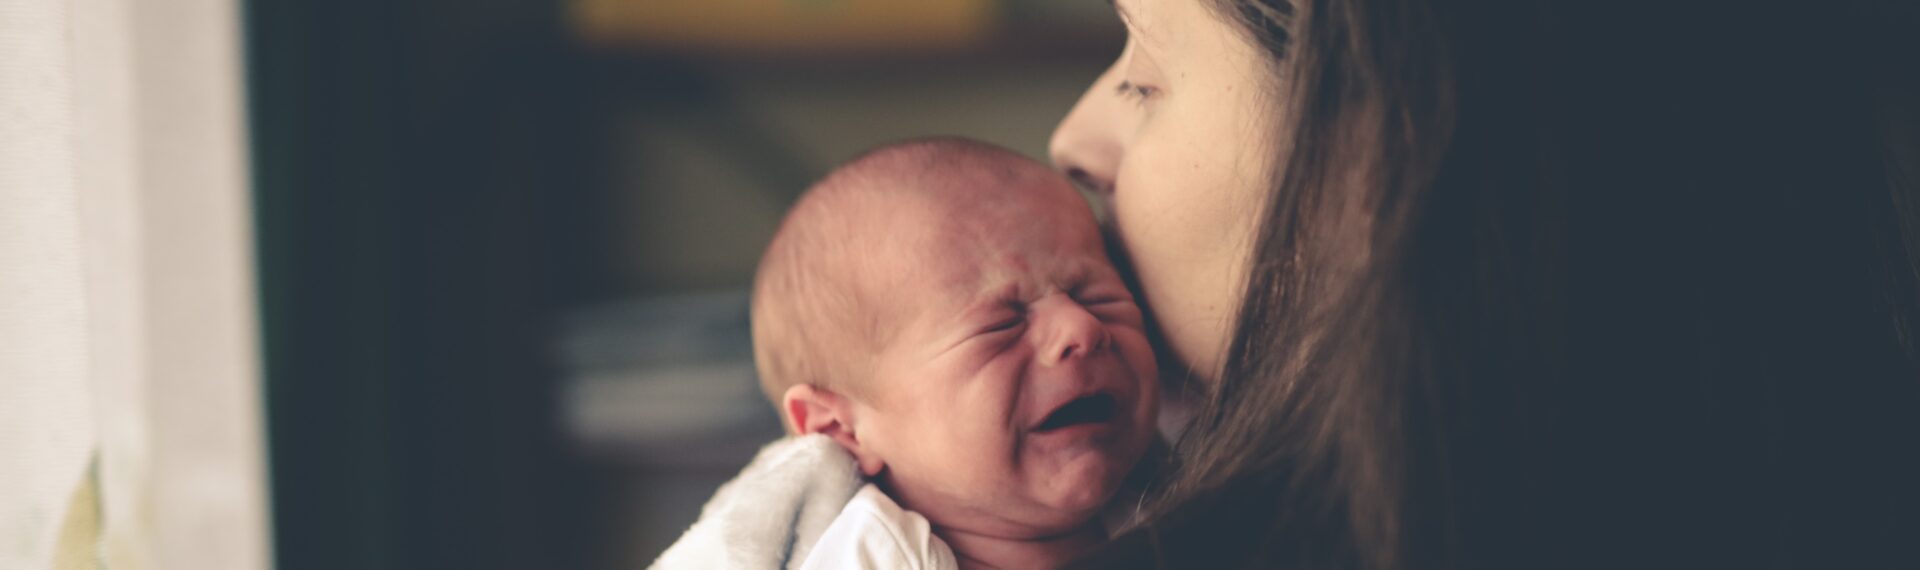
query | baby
(946,312)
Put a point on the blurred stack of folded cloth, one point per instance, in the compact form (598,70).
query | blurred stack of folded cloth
(666,382)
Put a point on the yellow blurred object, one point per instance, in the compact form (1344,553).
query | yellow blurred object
(784,26)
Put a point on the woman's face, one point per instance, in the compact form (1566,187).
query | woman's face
(1174,140)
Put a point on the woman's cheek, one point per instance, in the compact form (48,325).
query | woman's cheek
(1192,319)
(1185,206)
(1166,242)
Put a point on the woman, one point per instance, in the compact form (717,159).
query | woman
(1496,283)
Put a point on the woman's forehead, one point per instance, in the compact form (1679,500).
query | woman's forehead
(1146,20)
(1129,11)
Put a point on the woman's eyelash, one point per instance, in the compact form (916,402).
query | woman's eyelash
(1136,91)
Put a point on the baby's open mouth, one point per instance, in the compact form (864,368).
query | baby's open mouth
(1090,409)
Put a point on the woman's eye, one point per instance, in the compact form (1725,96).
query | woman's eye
(1139,93)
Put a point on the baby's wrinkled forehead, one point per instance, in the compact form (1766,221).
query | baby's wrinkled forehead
(1011,227)
(943,253)
(947,213)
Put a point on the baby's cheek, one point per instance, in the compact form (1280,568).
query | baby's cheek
(1139,356)
(967,476)
(973,450)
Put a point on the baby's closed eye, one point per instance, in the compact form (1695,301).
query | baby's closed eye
(1005,324)
(1102,296)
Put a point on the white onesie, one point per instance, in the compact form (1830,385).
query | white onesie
(872,531)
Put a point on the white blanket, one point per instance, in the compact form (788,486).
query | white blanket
(773,512)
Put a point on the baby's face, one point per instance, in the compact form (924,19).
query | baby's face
(1019,389)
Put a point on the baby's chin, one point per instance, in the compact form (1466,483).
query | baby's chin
(1080,485)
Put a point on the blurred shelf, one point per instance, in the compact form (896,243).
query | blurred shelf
(841,31)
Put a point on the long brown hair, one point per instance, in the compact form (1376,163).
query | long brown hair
(1547,284)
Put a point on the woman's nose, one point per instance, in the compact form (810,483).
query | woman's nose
(1089,142)
(1070,332)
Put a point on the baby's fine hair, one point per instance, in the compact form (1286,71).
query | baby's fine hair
(814,319)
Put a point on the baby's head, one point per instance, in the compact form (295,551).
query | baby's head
(946,311)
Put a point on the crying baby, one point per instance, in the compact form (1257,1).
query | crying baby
(945,311)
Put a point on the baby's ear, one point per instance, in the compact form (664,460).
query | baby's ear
(811,409)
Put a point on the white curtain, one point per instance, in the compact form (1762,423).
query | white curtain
(130,430)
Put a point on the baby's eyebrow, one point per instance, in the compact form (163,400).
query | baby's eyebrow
(1078,273)
(997,292)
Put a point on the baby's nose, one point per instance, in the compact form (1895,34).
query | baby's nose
(1071,331)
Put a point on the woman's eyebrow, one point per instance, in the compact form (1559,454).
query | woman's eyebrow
(1126,17)
(1122,10)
